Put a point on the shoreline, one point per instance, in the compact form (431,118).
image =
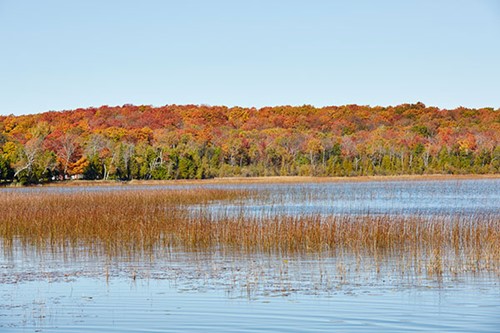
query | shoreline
(261,180)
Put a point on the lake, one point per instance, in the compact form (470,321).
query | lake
(58,287)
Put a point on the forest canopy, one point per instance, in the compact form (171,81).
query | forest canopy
(197,141)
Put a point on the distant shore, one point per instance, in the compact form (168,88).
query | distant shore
(263,180)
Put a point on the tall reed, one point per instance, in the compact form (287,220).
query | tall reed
(132,222)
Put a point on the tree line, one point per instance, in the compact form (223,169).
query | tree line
(198,141)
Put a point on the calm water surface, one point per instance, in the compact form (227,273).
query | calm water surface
(428,198)
(171,290)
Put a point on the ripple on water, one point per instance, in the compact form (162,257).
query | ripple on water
(214,292)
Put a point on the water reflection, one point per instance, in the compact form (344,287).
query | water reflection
(214,292)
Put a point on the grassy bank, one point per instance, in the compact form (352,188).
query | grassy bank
(264,180)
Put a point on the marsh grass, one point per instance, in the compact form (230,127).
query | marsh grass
(139,223)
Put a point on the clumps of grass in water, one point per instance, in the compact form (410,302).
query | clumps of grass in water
(138,223)
(112,222)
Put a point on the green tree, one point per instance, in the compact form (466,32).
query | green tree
(6,171)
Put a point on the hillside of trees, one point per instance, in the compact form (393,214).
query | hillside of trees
(195,141)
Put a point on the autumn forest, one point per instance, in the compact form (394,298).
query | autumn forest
(196,141)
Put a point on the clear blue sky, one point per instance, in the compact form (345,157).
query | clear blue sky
(64,54)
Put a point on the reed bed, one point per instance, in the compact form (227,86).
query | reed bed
(139,222)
